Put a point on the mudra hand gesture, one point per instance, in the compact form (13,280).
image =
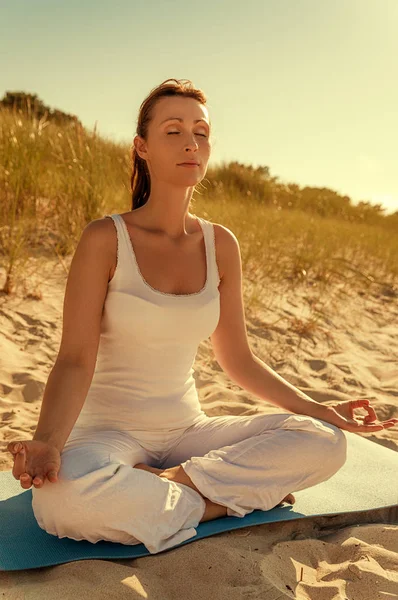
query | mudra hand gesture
(34,462)
(342,415)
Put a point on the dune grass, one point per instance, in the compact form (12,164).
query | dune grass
(55,179)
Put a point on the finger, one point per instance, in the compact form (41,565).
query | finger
(14,447)
(20,469)
(360,402)
(356,426)
(367,420)
(25,481)
(52,476)
(370,428)
(38,480)
(371,412)
(375,426)
(19,464)
(365,404)
(390,423)
(371,417)
(353,405)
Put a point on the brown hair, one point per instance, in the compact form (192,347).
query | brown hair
(140,178)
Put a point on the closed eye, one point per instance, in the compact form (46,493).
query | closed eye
(173,132)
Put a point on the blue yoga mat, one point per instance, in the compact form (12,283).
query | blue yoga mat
(368,480)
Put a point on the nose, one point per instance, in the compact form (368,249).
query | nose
(192,143)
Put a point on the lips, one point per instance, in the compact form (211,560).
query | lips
(189,162)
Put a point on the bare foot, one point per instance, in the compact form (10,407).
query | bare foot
(145,467)
(173,474)
(178,474)
(212,510)
(289,498)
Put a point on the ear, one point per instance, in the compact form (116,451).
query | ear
(140,147)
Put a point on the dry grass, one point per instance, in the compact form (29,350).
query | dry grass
(54,180)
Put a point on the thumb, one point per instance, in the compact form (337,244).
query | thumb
(53,475)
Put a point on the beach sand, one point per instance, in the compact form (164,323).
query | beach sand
(351,352)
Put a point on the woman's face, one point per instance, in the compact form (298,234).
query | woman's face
(171,142)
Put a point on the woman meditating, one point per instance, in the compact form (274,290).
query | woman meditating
(123,451)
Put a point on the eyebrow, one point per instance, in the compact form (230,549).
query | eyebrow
(179,119)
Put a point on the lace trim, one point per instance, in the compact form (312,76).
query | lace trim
(208,266)
(214,253)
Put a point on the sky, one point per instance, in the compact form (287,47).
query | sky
(308,88)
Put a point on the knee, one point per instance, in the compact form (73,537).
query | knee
(77,508)
(329,442)
(62,506)
(56,504)
(65,507)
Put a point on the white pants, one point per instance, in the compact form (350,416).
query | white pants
(242,462)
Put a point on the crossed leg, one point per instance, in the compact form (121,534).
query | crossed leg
(177,474)
(251,460)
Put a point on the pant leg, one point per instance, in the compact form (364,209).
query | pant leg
(253,462)
(100,496)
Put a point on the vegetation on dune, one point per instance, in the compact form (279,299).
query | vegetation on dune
(56,176)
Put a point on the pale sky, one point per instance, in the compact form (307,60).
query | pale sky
(308,88)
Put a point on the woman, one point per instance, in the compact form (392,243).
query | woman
(121,431)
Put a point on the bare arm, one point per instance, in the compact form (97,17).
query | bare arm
(63,399)
(85,293)
(231,344)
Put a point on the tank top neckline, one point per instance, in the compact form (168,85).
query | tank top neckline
(143,280)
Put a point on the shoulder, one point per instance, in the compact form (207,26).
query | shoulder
(225,235)
(98,229)
(100,236)
(100,239)
(98,225)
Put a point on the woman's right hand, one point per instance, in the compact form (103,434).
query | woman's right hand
(35,460)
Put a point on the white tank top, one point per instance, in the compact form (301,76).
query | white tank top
(143,378)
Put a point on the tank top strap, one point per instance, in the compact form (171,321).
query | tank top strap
(210,241)
(123,250)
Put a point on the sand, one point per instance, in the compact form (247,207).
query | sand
(351,351)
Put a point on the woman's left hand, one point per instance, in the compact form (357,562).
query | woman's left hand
(342,415)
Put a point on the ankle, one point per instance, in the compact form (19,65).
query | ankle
(179,475)
(213,511)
